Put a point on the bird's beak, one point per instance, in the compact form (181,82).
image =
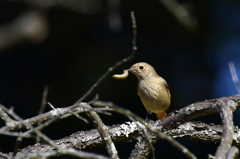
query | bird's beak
(130,70)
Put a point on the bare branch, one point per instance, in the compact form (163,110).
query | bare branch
(198,109)
(61,112)
(134,39)
(234,75)
(2,155)
(103,131)
(233,153)
(5,117)
(142,123)
(16,125)
(143,146)
(15,134)
(227,137)
(17,145)
(149,144)
(27,125)
(42,108)
(44,99)
(86,139)
(202,132)
(130,130)
(69,152)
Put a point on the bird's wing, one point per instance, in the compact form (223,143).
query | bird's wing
(167,88)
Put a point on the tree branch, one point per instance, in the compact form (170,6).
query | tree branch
(150,128)
(234,75)
(59,112)
(198,109)
(130,130)
(233,153)
(103,131)
(69,152)
(227,137)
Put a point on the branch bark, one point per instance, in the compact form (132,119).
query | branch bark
(198,109)
(197,131)
(176,128)
(227,137)
(103,131)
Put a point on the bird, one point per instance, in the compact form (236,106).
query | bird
(153,90)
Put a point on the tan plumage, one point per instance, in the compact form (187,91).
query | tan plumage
(152,89)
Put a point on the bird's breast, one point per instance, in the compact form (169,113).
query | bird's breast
(149,90)
(154,96)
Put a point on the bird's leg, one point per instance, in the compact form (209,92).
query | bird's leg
(161,115)
(146,119)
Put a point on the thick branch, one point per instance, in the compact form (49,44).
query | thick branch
(198,109)
(86,139)
(148,127)
(233,153)
(103,131)
(129,130)
(142,147)
(227,137)
(202,132)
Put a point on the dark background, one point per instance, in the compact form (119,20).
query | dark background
(82,44)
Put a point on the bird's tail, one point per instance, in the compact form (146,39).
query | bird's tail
(161,115)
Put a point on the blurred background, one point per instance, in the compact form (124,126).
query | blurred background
(68,44)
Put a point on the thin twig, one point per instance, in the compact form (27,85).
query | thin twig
(62,112)
(5,117)
(51,105)
(44,99)
(234,75)
(43,136)
(134,38)
(15,134)
(227,136)
(17,145)
(103,131)
(43,104)
(110,69)
(42,126)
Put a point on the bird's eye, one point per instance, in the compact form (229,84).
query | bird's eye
(141,67)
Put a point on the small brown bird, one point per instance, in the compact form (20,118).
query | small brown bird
(152,89)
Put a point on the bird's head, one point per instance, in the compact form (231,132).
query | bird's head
(142,70)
